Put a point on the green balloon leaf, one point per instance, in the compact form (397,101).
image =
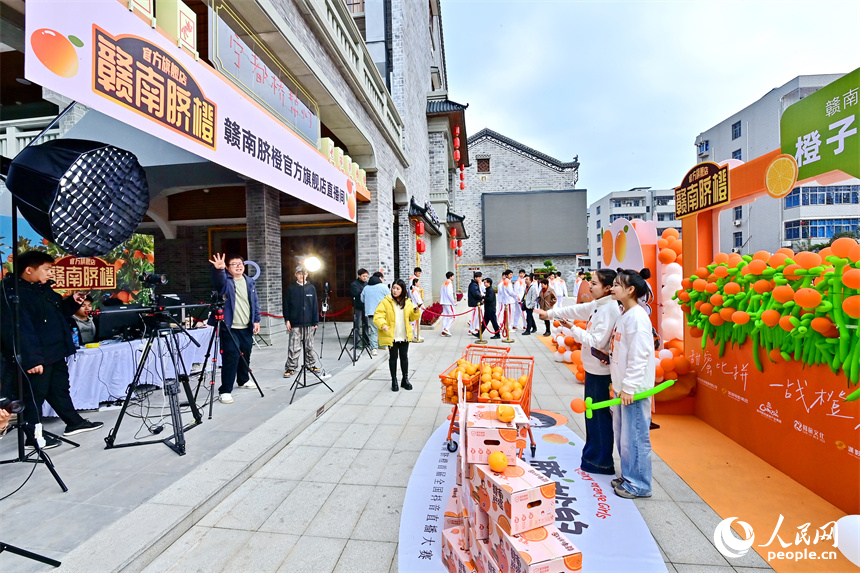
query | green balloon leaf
(76,41)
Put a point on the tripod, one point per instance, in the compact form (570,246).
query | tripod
(325,306)
(166,334)
(215,344)
(301,381)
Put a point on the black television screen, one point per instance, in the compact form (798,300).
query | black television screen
(121,321)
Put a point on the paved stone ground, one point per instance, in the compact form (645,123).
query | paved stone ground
(296,492)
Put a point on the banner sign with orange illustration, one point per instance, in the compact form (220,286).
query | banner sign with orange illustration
(704,187)
(108,58)
(83,273)
(821,130)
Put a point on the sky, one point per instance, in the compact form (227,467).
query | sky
(627,86)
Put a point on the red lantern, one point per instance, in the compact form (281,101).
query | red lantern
(453,243)
(462,186)
(456,130)
(456,155)
(456,143)
(462,176)
(462,168)
(459,243)
(454,231)
(420,246)
(459,252)
(419,228)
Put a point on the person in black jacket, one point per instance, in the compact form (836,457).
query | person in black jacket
(473,298)
(45,342)
(490,308)
(301,313)
(359,319)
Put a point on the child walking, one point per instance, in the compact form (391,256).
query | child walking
(632,371)
(601,314)
(392,317)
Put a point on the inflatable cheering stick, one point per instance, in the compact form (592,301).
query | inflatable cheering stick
(579,405)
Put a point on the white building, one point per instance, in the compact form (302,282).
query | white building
(644,203)
(811,212)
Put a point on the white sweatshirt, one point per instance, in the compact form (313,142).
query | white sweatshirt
(446,296)
(632,348)
(520,288)
(601,315)
(415,295)
(506,293)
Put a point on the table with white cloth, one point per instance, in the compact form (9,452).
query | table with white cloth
(103,374)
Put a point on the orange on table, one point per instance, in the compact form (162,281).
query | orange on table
(497,462)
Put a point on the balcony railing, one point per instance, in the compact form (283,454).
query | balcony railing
(16,134)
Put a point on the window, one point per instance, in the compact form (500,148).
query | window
(736,154)
(599,237)
(665,216)
(616,204)
(664,201)
(738,240)
(598,224)
(612,218)
(832,195)
(598,251)
(598,211)
(819,228)
(484,165)
(792,199)
(736,130)
(739,213)
(704,146)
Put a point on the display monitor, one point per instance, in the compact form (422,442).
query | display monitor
(119,322)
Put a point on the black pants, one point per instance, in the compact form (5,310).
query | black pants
(597,452)
(530,320)
(546,323)
(399,349)
(233,369)
(359,328)
(490,316)
(52,385)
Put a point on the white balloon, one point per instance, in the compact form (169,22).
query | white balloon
(665,353)
(672,328)
(670,306)
(560,340)
(568,357)
(673,282)
(673,269)
(558,356)
(566,332)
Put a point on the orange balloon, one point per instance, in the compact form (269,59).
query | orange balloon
(674,351)
(732,288)
(686,284)
(807,260)
(702,272)
(674,343)
(740,317)
(698,304)
(785,251)
(706,308)
(577,405)
(775,355)
(807,297)
(763,286)
(821,324)
(667,256)
(576,356)
(685,308)
(696,332)
(824,253)
(700,284)
(680,259)
(562,349)
(776,260)
(851,306)
(662,243)
(756,267)
(711,288)
(721,272)
(726,313)
(721,258)
(682,365)
(569,341)
(842,247)
(716,299)
(658,372)
(716,319)
(684,296)
(667,364)
(580,376)
(783,293)
(851,278)
(678,246)
(761,256)
(670,232)
(770,317)
(670,375)
(854,254)
(785,323)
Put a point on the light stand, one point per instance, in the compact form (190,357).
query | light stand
(302,380)
(325,306)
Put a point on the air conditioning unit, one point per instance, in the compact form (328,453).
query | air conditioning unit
(737,223)
(736,250)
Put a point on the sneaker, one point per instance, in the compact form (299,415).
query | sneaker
(374,352)
(621,492)
(225,398)
(288,373)
(446,333)
(406,385)
(617,482)
(495,337)
(527,333)
(249,385)
(50,443)
(85,426)
(314,369)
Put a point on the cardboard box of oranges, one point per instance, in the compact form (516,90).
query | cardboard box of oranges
(453,510)
(485,433)
(481,556)
(542,549)
(518,499)
(455,556)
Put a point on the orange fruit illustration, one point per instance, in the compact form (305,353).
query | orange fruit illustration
(548,490)
(555,439)
(537,534)
(507,488)
(607,247)
(55,52)
(573,562)
(508,435)
(504,524)
(621,246)
(781,175)
(513,471)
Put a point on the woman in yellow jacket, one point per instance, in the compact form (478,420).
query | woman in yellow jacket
(392,317)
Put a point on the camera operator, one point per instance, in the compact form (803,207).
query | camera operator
(46,341)
(241,316)
(301,313)
(359,318)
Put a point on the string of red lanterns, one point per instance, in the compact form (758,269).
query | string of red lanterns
(457,156)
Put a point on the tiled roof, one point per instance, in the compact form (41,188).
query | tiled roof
(444,106)
(456,221)
(524,150)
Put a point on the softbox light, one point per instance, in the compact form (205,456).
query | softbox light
(86,197)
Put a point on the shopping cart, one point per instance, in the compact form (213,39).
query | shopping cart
(521,369)
(474,354)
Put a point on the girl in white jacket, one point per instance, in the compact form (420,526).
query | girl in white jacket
(418,302)
(601,315)
(632,368)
